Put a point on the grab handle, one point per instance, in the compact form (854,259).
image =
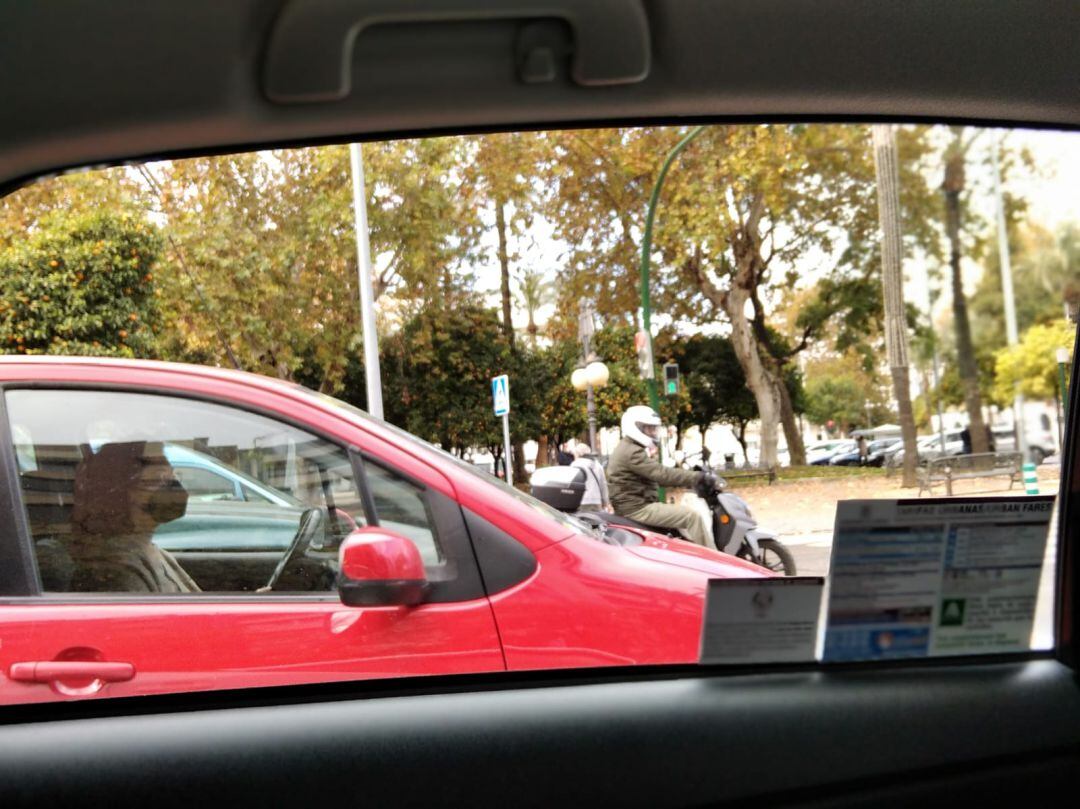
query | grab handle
(310,51)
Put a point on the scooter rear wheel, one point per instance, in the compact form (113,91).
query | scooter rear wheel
(774,556)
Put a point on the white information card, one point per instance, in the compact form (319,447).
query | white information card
(919,578)
(761,620)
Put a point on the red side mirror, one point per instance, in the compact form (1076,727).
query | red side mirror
(380,568)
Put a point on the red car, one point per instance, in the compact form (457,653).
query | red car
(403,560)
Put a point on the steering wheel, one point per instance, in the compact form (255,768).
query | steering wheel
(310,522)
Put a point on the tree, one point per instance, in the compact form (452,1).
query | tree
(268,240)
(22,211)
(1045,265)
(840,390)
(82,283)
(550,408)
(892,282)
(952,187)
(614,344)
(716,386)
(501,173)
(742,209)
(535,291)
(439,367)
(1032,364)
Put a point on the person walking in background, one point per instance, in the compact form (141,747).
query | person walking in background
(562,455)
(596,489)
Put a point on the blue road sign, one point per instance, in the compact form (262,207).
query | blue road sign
(500,393)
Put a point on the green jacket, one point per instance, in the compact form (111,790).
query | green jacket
(634,477)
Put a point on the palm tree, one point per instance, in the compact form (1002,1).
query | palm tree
(534,291)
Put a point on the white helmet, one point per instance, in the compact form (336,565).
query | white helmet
(641,424)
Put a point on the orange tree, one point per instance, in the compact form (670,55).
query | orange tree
(82,284)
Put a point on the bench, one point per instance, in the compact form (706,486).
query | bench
(748,472)
(976,465)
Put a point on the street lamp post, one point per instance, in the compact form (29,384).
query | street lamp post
(592,373)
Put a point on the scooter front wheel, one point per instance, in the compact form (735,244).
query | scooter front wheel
(772,555)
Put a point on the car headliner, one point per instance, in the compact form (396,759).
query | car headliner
(186,77)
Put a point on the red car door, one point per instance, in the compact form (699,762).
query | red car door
(100,600)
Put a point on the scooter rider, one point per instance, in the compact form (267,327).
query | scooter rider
(634,476)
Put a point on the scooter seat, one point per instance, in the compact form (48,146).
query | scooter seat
(618,519)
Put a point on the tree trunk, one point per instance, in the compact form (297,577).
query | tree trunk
(762,382)
(965,351)
(796,448)
(504,270)
(542,451)
(518,453)
(792,433)
(892,285)
(758,378)
(740,436)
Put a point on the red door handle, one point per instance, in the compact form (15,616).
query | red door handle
(47,671)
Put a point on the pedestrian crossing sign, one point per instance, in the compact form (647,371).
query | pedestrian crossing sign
(500,393)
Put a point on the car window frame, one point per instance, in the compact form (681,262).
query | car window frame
(456,579)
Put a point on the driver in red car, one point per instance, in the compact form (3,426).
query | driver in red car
(634,477)
(122,493)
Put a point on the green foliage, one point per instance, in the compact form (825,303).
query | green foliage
(614,344)
(715,383)
(438,371)
(1033,363)
(841,390)
(82,284)
(1045,266)
(952,390)
(270,241)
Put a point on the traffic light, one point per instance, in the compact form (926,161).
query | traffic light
(671,378)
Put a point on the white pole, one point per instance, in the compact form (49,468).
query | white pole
(372,376)
(507,466)
(1008,297)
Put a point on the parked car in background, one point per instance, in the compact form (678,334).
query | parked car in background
(929,448)
(206,479)
(819,453)
(875,454)
(1038,435)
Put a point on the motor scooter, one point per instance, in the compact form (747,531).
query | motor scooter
(735,531)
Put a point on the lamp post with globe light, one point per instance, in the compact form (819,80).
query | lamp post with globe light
(591,372)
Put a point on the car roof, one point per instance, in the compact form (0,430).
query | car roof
(207,371)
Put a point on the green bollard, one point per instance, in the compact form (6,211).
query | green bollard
(1031,479)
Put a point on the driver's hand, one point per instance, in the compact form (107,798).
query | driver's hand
(710,482)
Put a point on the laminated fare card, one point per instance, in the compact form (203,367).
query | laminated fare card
(935,577)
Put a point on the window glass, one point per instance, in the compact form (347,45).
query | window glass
(202,484)
(254,495)
(137,493)
(761,345)
(401,507)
